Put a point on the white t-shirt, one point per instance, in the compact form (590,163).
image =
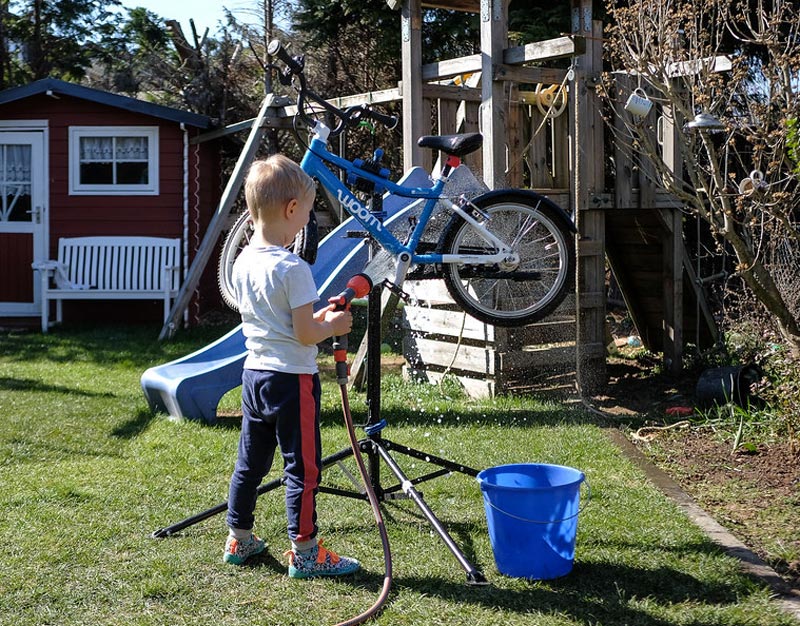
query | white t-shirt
(268,283)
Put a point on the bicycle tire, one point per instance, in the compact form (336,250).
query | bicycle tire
(540,232)
(305,245)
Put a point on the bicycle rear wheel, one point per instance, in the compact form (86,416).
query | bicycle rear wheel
(540,233)
(304,245)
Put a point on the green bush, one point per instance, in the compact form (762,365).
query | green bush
(753,339)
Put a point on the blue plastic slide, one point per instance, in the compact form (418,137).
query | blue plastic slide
(191,387)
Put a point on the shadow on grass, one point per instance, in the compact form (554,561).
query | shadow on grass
(592,593)
(595,591)
(137,345)
(408,417)
(228,422)
(482,415)
(134,426)
(30,384)
(33,448)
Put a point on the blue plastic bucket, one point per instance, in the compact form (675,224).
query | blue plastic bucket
(532,513)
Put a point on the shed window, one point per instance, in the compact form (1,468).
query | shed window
(113,160)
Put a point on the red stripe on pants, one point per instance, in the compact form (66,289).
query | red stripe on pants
(308,437)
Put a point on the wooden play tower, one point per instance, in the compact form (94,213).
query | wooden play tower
(634,226)
(491,360)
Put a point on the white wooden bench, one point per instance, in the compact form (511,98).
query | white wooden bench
(110,268)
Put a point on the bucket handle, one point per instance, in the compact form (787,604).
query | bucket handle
(552,521)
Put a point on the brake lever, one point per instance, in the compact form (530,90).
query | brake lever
(285,77)
(365,111)
(353,115)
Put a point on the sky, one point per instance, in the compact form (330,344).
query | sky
(205,13)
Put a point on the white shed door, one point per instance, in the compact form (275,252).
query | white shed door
(23,216)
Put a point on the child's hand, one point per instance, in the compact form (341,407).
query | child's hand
(311,328)
(329,315)
(340,322)
(319,316)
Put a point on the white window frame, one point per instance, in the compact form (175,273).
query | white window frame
(76,188)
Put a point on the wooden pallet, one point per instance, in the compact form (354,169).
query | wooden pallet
(441,340)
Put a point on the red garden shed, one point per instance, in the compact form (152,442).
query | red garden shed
(80,162)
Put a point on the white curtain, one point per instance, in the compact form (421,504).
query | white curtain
(131,149)
(16,163)
(97,148)
(114,149)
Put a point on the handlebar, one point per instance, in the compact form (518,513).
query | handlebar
(364,111)
(349,117)
(276,49)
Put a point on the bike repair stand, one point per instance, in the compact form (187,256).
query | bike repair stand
(374,446)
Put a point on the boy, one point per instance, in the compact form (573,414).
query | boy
(275,292)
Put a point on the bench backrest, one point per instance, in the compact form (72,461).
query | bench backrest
(121,263)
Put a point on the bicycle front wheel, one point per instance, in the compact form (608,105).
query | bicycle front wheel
(534,228)
(305,246)
(235,241)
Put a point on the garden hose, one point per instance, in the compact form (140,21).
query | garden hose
(358,287)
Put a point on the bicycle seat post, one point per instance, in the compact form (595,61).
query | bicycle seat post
(451,163)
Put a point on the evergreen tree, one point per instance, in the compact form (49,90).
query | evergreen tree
(57,38)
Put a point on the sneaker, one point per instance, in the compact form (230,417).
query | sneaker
(238,551)
(320,562)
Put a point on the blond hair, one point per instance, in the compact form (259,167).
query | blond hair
(274,182)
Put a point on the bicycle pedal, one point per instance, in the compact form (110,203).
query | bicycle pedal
(397,290)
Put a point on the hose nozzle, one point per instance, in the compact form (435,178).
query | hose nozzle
(357,287)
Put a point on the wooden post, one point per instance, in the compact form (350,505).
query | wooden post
(494,39)
(411,89)
(559,142)
(647,169)
(514,134)
(673,252)
(588,179)
(540,173)
(623,149)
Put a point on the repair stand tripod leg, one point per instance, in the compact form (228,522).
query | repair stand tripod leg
(223,506)
(474,575)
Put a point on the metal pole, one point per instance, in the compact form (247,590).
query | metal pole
(218,222)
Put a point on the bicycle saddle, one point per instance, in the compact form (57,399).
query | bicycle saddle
(457,145)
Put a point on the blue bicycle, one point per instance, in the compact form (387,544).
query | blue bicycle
(507,257)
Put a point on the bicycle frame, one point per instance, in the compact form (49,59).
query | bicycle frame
(314,163)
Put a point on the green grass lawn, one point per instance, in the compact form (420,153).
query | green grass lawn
(88,474)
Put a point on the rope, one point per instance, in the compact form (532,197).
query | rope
(548,115)
(648,433)
(455,352)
